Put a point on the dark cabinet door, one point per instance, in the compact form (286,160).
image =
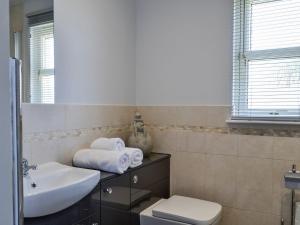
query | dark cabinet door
(151,180)
(115,201)
(90,205)
(148,185)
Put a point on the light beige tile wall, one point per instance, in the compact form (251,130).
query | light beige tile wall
(242,172)
(56,132)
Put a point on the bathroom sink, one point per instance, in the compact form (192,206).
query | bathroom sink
(292,180)
(54,187)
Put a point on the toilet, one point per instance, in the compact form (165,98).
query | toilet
(180,210)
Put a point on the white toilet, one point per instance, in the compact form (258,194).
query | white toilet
(179,210)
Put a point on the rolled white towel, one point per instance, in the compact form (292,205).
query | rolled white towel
(110,161)
(135,156)
(108,144)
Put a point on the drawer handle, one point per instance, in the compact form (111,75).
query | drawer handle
(108,190)
(135,179)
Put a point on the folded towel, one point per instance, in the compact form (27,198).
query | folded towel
(110,161)
(108,144)
(135,156)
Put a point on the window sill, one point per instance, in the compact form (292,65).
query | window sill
(230,121)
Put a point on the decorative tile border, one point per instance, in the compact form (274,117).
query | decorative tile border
(56,135)
(108,130)
(273,132)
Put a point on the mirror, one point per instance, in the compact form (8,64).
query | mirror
(32,42)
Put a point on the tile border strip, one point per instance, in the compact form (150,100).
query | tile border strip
(272,132)
(107,130)
(62,134)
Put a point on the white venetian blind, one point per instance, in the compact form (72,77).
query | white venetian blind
(41,58)
(266,60)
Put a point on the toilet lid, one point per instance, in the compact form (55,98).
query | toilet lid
(188,210)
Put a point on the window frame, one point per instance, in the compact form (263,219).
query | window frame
(39,19)
(242,54)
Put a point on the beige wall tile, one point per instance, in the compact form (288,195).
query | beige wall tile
(256,200)
(49,151)
(74,144)
(281,202)
(221,178)
(43,118)
(254,218)
(115,115)
(222,144)
(209,178)
(89,116)
(270,219)
(286,148)
(249,218)
(127,115)
(164,141)
(244,173)
(189,141)
(255,146)
(229,216)
(275,220)
(189,174)
(158,115)
(217,116)
(61,150)
(191,116)
(225,193)
(280,167)
(255,174)
(276,203)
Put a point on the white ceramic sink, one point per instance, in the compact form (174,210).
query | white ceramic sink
(57,187)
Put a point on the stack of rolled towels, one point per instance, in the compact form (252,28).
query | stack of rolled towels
(108,154)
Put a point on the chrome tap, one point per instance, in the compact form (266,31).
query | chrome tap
(27,167)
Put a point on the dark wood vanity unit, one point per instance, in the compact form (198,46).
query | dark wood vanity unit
(118,199)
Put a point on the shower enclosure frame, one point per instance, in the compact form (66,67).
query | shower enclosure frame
(16,127)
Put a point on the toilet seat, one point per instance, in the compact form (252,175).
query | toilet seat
(182,210)
(187,210)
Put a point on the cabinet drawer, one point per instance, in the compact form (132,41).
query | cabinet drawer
(115,193)
(90,205)
(146,176)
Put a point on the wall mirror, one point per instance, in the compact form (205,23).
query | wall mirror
(32,42)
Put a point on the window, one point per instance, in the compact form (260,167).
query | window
(41,58)
(266,60)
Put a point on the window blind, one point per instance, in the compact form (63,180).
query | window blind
(41,41)
(266,60)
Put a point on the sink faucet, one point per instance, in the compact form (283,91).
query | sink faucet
(27,167)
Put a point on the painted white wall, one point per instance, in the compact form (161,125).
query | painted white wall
(6,186)
(95,51)
(184,52)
